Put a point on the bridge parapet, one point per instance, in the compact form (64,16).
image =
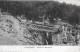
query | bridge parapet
(40,27)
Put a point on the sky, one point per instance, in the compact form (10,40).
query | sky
(74,2)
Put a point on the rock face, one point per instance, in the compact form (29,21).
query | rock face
(7,41)
(10,27)
(15,31)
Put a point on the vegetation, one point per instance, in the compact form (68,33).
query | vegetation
(34,10)
(37,11)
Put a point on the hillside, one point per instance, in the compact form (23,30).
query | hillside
(36,10)
(39,23)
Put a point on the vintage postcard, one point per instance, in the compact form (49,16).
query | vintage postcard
(40,25)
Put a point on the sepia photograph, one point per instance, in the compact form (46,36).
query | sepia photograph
(43,22)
